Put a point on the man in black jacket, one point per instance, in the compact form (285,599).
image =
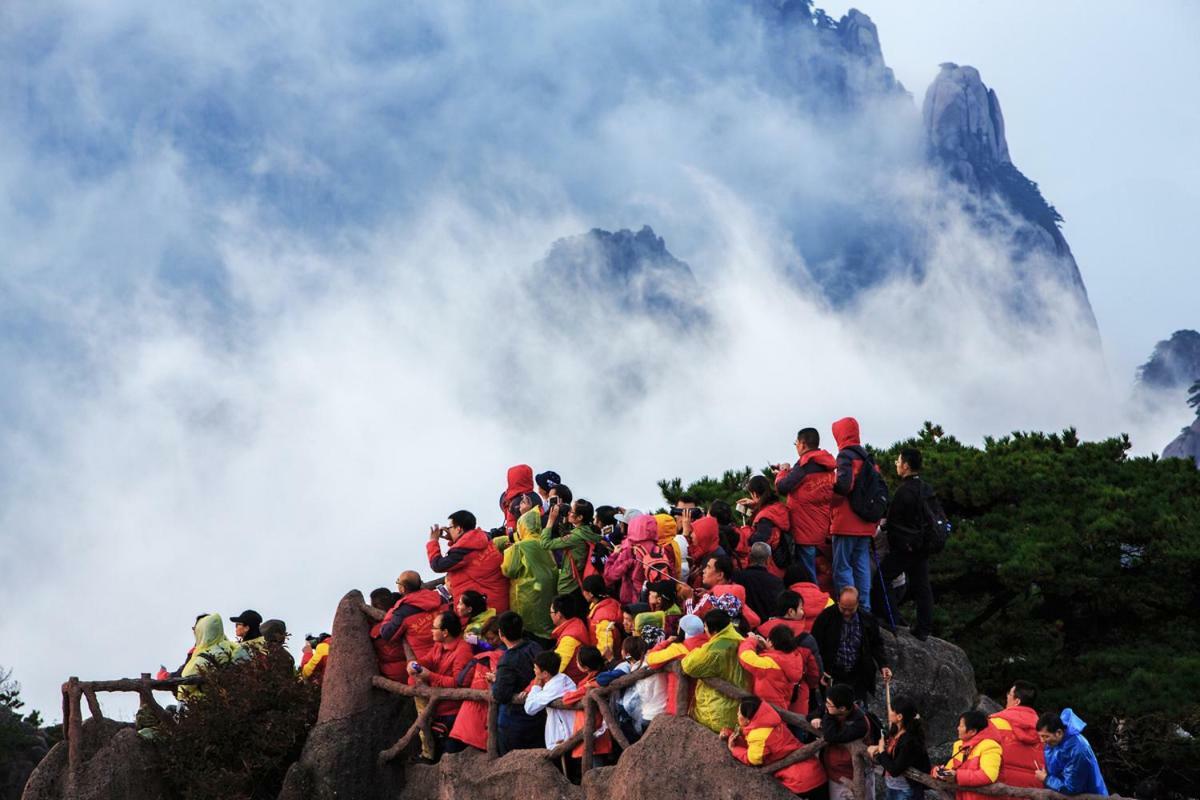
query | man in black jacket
(851,648)
(762,588)
(514,672)
(908,551)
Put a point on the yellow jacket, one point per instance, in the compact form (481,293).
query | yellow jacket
(716,658)
(212,649)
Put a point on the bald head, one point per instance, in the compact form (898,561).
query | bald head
(848,601)
(409,581)
(759,553)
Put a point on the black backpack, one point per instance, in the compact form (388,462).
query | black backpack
(937,527)
(784,554)
(869,494)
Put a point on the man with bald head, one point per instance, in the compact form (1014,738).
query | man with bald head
(851,647)
(411,619)
(762,588)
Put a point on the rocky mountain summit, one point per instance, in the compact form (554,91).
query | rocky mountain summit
(1186,444)
(1174,364)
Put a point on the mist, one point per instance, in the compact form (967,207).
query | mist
(269,314)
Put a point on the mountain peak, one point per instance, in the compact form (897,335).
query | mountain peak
(963,119)
(1175,362)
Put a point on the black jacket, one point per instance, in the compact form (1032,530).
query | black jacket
(514,672)
(841,731)
(910,754)
(762,590)
(906,516)
(827,630)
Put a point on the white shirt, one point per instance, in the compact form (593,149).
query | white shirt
(559,724)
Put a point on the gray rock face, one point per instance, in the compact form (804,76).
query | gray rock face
(964,131)
(118,765)
(1174,364)
(934,674)
(1186,444)
(470,776)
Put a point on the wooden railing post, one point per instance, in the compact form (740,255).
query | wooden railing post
(858,762)
(74,726)
(589,733)
(493,728)
(683,690)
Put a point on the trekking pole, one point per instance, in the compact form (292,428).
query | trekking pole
(884,588)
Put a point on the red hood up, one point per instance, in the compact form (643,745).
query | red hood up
(845,433)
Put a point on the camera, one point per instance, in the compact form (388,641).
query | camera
(692,513)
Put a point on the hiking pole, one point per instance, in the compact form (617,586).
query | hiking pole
(884,588)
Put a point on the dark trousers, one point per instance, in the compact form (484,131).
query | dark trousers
(915,567)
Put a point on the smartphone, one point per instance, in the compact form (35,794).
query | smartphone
(553,501)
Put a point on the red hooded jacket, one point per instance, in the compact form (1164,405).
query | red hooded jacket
(808,502)
(815,600)
(577,629)
(472,562)
(470,726)
(777,674)
(1016,730)
(411,620)
(766,740)
(442,666)
(520,481)
(844,522)
(777,515)
(704,541)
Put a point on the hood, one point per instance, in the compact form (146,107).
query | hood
(424,599)
(643,530)
(777,513)
(845,433)
(520,480)
(705,537)
(667,527)
(765,717)
(573,626)
(1072,722)
(210,631)
(822,458)
(529,526)
(1023,720)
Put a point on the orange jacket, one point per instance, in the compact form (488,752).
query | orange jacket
(976,762)
(1016,730)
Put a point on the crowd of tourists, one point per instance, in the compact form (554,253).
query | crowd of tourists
(782,594)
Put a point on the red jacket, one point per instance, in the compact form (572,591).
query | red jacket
(470,726)
(815,600)
(572,634)
(663,653)
(844,522)
(393,661)
(1016,730)
(704,541)
(411,620)
(777,515)
(777,675)
(766,740)
(808,503)
(603,745)
(976,762)
(520,481)
(472,562)
(607,610)
(442,666)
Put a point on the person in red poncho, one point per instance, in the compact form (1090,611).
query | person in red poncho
(1016,730)
(520,481)
(852,535)
(762,738)
(471,562)
(783,672)
(808,488)
(470,726)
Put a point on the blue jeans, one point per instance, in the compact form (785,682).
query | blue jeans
(852,566)
(808,557)
(899,794)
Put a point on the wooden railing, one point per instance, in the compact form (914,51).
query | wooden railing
(74,691)
(598,699)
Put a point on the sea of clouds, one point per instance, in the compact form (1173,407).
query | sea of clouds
(264,319)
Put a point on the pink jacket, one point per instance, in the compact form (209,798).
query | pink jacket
(625,566)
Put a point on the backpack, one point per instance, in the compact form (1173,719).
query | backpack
(593,563)
(655,563)
(937,527)
(869,494)
(784,554)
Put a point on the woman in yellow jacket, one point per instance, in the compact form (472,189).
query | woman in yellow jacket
(976,756)
(532,574)
(212,649)
(716,658)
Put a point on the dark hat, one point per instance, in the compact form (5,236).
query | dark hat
(248,617)
(274,630)
(547,480)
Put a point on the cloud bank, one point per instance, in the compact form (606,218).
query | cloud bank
(266,311)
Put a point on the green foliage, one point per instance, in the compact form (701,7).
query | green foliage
(1077,567)
(1194,396)
(240,735)
(14,729)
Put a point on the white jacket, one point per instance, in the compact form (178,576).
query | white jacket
(559,724)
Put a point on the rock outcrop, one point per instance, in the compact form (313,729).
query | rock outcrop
(355,723)
(1186,444)
(1174,364)
(934,674)
(117,765)
(965,137)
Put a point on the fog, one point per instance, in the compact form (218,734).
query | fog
(267,315)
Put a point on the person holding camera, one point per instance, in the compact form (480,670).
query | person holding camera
(576,545)
(976,757)
(471,562)
(808,487)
